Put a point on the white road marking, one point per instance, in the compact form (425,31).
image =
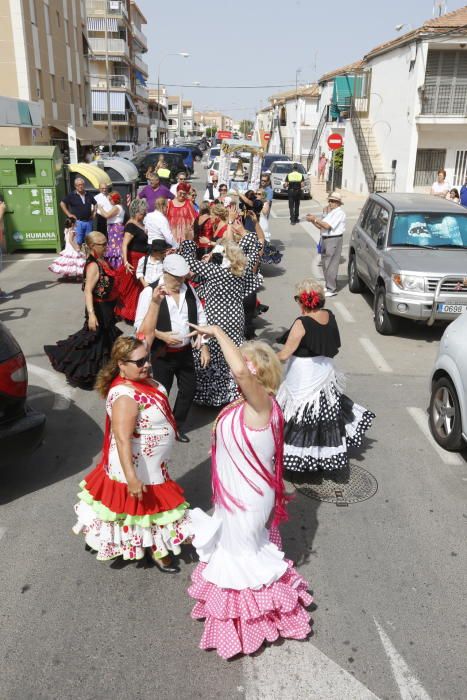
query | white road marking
(63,392)
(273,214)
(421,419)
(409,686)
(344,312)
(311,675)
(375,355)
(311,230)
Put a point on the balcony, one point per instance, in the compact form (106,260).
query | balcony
(444,99)
(110,46)
(141,91)
(117,118)
(141,65)
(100,82)
(106,8)
(139,36)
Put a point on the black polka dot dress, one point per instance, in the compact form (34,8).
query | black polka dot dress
(321,422)
(223,293)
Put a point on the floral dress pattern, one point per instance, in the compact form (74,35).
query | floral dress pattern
(116,524)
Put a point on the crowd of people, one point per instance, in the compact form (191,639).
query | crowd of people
(188,282)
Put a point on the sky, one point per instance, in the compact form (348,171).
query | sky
(264,43)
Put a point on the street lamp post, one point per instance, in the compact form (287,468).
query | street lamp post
(183,54)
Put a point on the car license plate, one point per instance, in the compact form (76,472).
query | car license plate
(452,308)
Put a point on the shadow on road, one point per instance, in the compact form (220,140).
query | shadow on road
(72,441)
(34,287)
(14,314)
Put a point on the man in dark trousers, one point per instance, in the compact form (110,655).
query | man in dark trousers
(172,352)
(294,185)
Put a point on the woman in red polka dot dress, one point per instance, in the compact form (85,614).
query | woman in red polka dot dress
(245,590)
(128,505)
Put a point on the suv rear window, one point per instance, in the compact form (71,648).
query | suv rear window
(287,168)
(429,230)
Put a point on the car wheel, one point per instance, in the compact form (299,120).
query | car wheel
(445,415)
(355,283)
(385,323)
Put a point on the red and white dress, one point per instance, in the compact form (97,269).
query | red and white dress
(245,589)
(181,219)
(115,523)
(70,263)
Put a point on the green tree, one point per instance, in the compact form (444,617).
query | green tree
(211,131)
(246,125)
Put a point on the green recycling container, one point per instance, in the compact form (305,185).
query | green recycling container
(32,184)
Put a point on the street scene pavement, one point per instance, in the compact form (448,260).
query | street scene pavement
(387,573)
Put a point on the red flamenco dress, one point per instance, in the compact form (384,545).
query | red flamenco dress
(129,288)
(245,589)
(181,219)
(115,523)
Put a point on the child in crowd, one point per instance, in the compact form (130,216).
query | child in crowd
(149,268)
(70,263)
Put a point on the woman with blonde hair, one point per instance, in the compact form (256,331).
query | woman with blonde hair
(81,356)
(222,276)
(321,421)
(245,590)
(128,505)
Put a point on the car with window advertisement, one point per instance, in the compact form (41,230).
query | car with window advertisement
(410,250)
(278,171)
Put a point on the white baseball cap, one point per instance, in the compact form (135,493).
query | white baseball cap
(176,265)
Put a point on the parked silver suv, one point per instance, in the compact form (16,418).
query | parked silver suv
(410,250)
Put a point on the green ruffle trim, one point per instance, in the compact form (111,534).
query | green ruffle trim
(108,516)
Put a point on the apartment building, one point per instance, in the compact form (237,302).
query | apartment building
(180,117)
(158,116)
(398,144)
(118,74)
(43,60)
(210,119)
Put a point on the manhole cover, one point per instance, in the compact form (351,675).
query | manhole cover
(345,486)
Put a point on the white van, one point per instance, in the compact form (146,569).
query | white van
(123,149)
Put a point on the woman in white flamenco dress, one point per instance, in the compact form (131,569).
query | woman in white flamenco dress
(245,590)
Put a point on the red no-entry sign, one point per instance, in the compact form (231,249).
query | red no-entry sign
(266,137)
(335,141)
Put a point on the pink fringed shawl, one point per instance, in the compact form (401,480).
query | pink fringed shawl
(220,495)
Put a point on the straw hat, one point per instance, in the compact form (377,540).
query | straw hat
(335,197)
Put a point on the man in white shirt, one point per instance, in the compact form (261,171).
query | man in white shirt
(212,190)
(150,267)
(332,229)
(157,225)
(181,177)
(102,200)
(172,353)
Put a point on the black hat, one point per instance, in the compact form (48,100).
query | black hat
(158,245)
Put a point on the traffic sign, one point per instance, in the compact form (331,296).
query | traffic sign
(223,134)
(335,141)
(266,137)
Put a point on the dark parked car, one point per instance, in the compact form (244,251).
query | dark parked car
(270,158)
(21,428)
(174,160)
(196,151)
(180,150)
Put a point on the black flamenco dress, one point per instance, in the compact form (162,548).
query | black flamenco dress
(321,422)
(81,355)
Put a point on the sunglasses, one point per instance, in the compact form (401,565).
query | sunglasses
(222,189)
(139,363)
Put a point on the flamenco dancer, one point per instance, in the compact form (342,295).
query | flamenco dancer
(70,263)
(246,591)
(82,354)
(321,421)
(128,505)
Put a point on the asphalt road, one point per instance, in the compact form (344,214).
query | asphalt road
(388,574)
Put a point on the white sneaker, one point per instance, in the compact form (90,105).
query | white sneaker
(328,293)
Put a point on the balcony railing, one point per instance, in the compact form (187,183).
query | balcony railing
(118,118)
(141,65)
(106,8)
(118,46)
(141,91)
(114,81)
(139,36)
(444,99)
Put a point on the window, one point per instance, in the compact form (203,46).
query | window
(421,229)
(460,172)
(429,161)
(53,93)
(62,82)
(32,11)
(39,92)
(59,24)
(283,117)
(47,19)
(377,222)
(65,31)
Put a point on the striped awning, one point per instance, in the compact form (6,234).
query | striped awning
(100,24)
(131,104)
(99,102)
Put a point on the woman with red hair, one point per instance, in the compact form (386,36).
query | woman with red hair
(181,214)
(115,229)
(320,421)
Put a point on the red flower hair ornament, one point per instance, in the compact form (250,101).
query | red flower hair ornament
(310,300)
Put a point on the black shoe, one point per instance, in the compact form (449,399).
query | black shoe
(182,437)
(293,223)
(170,569)
(297,221)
